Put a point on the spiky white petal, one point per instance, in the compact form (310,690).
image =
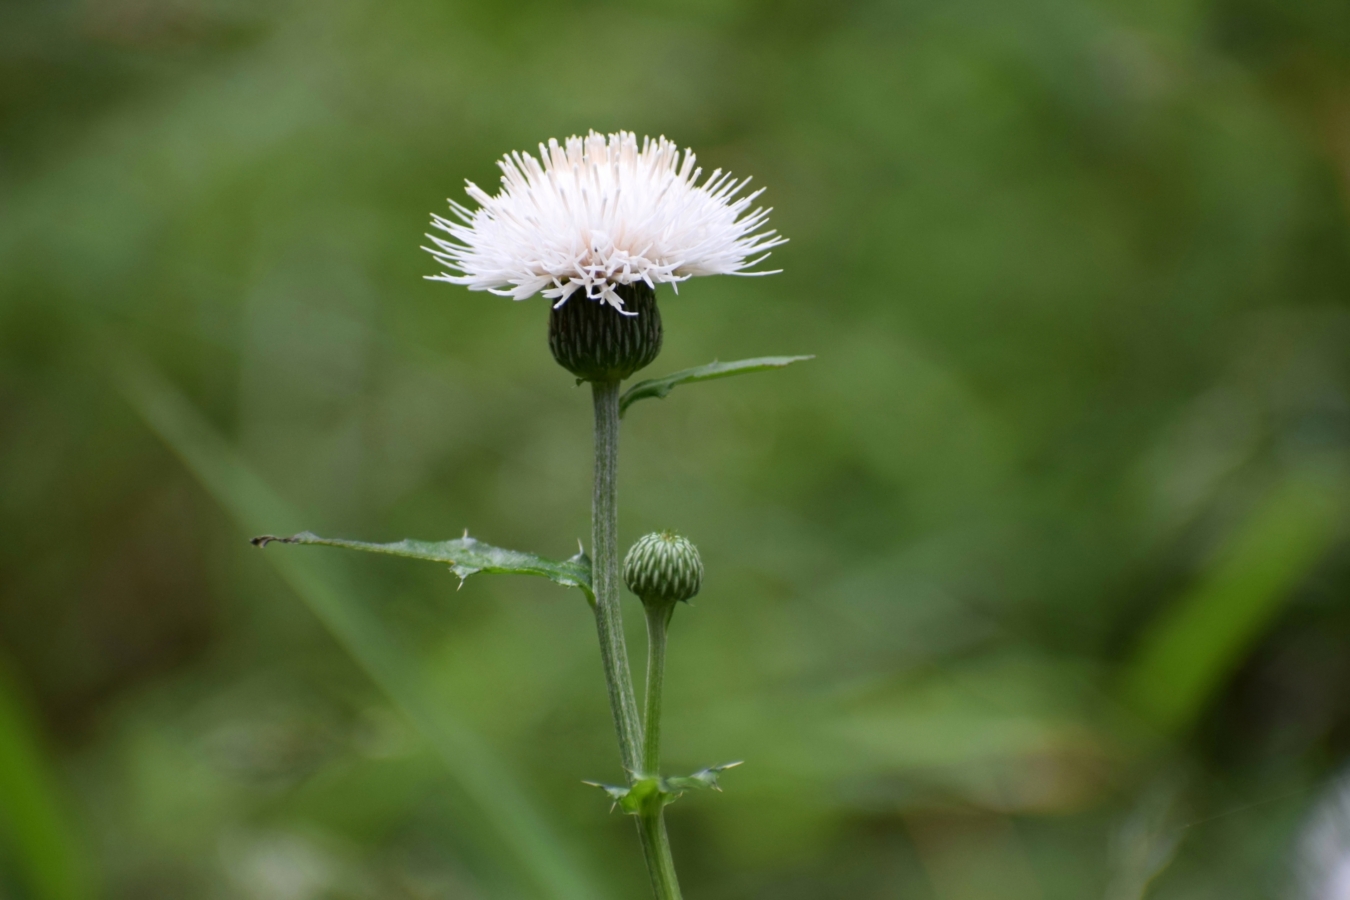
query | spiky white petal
(596,213)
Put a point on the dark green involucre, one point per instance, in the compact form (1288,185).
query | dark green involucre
(663,567)
(596,342)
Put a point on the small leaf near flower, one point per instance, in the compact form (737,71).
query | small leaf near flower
(649,794)
(466,556)
(660,387)
(616,793)
(702,779)
(645,795)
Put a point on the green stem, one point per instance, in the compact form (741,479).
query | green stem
(613,653)
(658,617)
(652,823)
(656,848)
(605,575)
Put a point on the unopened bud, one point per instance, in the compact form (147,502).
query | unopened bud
(663,567)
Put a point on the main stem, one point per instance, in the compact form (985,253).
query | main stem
(605,575)
(656,849)
(609,624)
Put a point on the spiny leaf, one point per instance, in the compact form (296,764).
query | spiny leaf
(645,794)
(660,387)
(498,802)
(653,793)
(615,792)
(702,779)
(466,556)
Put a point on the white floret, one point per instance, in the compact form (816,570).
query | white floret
(598,213)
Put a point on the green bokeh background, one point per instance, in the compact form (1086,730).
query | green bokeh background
(1031,586)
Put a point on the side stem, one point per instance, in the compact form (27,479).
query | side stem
(652,821)
(658,617)
(605,575)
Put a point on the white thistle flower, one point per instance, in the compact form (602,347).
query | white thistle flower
(599,213)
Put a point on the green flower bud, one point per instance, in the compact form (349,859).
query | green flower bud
(663,568)
(595,342)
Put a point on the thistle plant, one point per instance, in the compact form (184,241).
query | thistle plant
(596,224)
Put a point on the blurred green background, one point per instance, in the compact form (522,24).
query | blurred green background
(1031,586)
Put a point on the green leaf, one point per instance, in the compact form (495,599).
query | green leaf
(703,779)
(644,795)
(617,793)
(649,794)
(502,805)
(660,387)
(466,556)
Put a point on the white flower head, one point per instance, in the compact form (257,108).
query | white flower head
(597,213)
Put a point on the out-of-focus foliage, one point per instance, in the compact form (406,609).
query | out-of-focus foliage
(1032,585)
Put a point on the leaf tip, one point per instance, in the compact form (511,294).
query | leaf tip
(263,540)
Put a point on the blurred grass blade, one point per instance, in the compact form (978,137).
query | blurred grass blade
(41,840)
(504,806)
(1195,644)
(660,387)
(1145,844)
(465,556)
